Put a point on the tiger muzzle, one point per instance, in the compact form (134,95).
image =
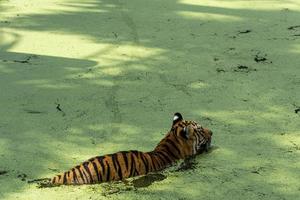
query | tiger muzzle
(204,147)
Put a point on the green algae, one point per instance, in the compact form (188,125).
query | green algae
(118,70)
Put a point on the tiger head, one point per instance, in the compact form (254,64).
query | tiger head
(186,138)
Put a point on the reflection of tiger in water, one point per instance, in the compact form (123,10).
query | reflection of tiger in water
(186,138)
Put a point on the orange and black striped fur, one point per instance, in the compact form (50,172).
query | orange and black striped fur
(186,138)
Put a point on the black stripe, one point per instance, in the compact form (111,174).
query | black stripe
(165,155)
(113,158)
(59,177)
(96,170)
(100,160)
(176,138)
(158,161)
(54,180)
(170,152)
(80,173)
(163,159)
(86,167)
(181,125)
(124,154)
(135,152)
(152,161)
(145,163)
(175,129)
(119,168)
(108,171)
(136,172)
(174,145)
(69,175)
(69,178)
(65,178)
(132,165)
(85,176)
(75,180)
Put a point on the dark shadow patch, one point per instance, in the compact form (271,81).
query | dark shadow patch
(5,22)
(38,180)
(295,146)
(3,172)
(219,70)
(258,170)
(187,164)
(115,35)
(116,187)
(41,182)
(255,172)
(190,162)
(22,177)
(259,59)
(293,27)
(245,31)
(29,111)
(244,69)
(295,30)
(297,108)
(147,180)
(111,190)
(46,185)
(27,60)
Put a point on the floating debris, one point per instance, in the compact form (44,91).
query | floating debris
(260,59)
(29,111)
(22,177)
(245,31)
(243,68)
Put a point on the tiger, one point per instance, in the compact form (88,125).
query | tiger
(185,139)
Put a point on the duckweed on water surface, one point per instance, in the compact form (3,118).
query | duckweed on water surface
(86,78)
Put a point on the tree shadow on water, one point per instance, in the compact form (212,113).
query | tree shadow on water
(28,100)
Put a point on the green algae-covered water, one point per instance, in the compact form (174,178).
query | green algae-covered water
(86,78)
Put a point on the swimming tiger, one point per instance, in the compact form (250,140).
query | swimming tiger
(185,139)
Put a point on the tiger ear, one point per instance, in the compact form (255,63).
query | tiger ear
(177,117)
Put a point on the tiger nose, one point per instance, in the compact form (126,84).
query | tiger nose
(208,132)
